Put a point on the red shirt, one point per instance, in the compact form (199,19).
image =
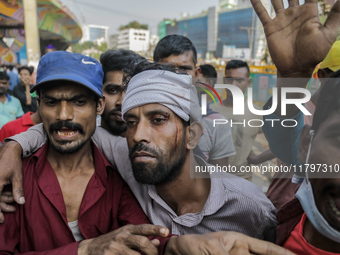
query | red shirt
(15,127)
(41,225)
(297,244)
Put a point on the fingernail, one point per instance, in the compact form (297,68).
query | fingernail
(22,200)
(163,230)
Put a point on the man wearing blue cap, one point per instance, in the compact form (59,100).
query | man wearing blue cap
(72,192)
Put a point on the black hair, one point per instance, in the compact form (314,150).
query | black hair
(145,66)
(4,76)
(329,100)
(174,45)
(28,68)
(10,67)
(118,60)
(208,71)
(234,64)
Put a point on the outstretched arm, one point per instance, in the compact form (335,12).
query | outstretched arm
(297,42)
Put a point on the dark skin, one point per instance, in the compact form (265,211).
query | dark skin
(72,103)
(324,150)
(157,126)
(113,91)
(292,31)
(4,85)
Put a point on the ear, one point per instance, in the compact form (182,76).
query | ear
(101,106)
(304,143)
(249,81)
(194,133)
(197,71)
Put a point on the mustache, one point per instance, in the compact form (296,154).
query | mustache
(66,124)
(331,188)
(115,111)
(143,147)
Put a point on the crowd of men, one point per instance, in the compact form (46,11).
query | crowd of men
(130,186)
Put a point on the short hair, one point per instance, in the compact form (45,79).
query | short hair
(28,68)
(10,67)
(119,60)
(234,64)
(4,76)
(174,45)
(329,100)
(208,71)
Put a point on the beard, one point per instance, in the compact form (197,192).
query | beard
(67,147)
(3,91)
(115,127)
(164,171)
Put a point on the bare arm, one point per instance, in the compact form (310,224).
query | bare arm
(258,159)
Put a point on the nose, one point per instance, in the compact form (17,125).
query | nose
(120,100)
(65,111)
(142,132)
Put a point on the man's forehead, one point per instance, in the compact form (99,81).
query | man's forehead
(114,77)
(178,60)
(65,89)
(237,72)
(150,109)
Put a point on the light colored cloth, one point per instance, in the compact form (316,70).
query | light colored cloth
(234,204)
(10,110)
(216,142)
(243,136)
(172,90)
(75,230)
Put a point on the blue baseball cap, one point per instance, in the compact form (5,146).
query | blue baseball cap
(66,66)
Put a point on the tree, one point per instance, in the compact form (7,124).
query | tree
(134,24)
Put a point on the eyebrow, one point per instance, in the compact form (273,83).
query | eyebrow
(113,84)
(148,114)
(76,97)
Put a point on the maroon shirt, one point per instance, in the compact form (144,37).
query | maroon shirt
(40,226)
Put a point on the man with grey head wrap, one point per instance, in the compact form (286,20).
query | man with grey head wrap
(160,145)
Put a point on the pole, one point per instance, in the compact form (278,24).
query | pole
(31,32)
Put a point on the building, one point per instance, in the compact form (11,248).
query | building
(91,33)
(231,30)
(113,41)
(57,26)
(134,39)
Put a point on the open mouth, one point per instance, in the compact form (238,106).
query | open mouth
(66,133)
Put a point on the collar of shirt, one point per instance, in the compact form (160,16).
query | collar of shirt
(100,162)
(9,98)
(26,119)
(214,202)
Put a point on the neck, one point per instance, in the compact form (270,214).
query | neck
(3,98)
(318,240)
(35,117)
(73,163)
(186,194)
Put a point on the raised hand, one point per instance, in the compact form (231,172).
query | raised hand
(297,41)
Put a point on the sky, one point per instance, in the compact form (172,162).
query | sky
(114,13)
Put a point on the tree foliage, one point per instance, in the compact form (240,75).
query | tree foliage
(134,24)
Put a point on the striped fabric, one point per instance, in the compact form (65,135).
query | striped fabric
(234,204)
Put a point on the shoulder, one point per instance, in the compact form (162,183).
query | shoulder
(247,193)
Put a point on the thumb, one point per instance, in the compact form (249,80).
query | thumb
(18,191)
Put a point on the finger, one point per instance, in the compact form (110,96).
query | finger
(261,11)
(2,217)
(6,208)
(262,247)
(7,197)
(333,21)
(18,191)
(155,242)
(148,230)
(278,6)
(293,2)
(141,243)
